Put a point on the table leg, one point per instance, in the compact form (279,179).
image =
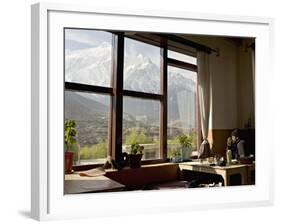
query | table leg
(244,178)
(226,179)
(249,175)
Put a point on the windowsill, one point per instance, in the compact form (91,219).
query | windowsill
(86,166)
(143,166)
(96,165)
(144,163)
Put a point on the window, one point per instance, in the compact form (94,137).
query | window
(88,81)
(182,106)
(91,114)
(141,123)
(88,57)
(121,91)
(141,108)
(141,67)
(182,57)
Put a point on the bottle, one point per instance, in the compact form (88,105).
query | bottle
(228,157)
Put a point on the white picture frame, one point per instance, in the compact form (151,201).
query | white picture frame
(48,201)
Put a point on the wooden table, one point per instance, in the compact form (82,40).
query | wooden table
(224,171)
(74,184)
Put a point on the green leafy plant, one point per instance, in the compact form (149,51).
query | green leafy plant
(136,148)
(175,153)
(69,133)
(185,141)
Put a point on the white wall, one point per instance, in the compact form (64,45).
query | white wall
(245,96)
(231,82)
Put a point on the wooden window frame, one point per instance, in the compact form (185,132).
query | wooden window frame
(117,93)
(190,67)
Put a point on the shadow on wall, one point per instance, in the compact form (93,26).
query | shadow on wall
(218,137)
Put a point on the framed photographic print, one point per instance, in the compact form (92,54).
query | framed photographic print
(148,111)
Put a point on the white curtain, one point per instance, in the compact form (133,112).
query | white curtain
(204,93)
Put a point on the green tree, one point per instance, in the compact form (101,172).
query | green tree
(97,151)
(137,136)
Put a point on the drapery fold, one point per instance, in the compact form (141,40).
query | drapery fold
(204,95)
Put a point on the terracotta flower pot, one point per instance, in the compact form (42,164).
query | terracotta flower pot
(68,162)
(135,160)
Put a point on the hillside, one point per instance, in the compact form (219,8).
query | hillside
(93,66)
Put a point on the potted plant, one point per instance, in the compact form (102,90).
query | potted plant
(186,146)
(69,140)
(135,155)
(176,156)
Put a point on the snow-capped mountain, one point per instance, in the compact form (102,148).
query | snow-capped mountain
(93,66)
(143,75)
(89,66)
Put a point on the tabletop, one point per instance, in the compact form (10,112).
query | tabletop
(205,164)
(74,184)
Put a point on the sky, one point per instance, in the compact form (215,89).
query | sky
(77,39)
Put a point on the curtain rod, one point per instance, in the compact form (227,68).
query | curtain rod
(180,40)
(190,43)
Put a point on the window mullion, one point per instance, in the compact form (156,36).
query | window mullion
(163,111)
(117,99)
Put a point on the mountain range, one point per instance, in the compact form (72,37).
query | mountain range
(93,66)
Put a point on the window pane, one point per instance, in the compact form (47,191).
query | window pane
(182,109)
(88,57)
(141,122)
(141,67)
(182,57)
(91,113)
